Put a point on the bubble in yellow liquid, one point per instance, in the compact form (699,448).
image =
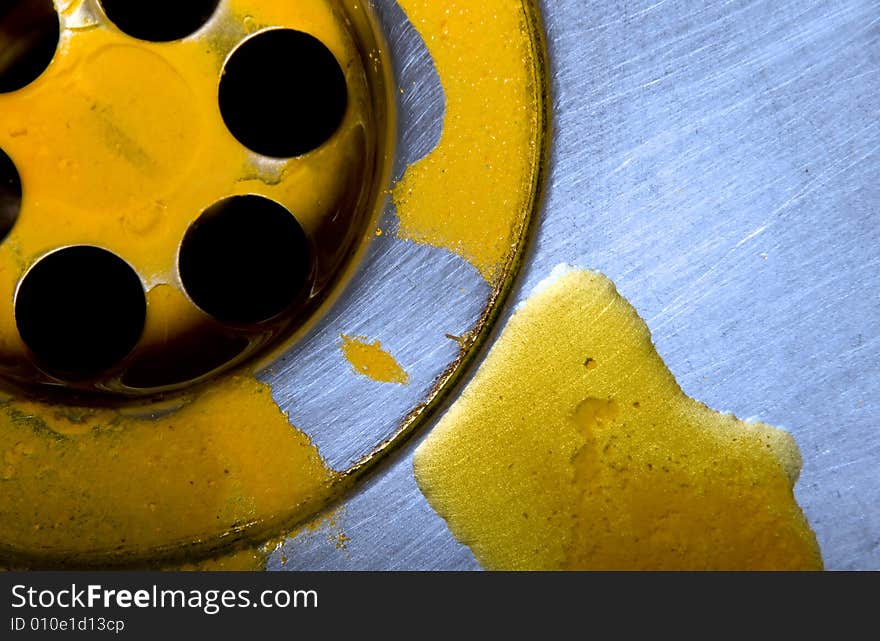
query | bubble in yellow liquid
(575,448)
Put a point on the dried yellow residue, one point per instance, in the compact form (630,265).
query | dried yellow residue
(575,448)
(471,194)
(88,481)
(372,361)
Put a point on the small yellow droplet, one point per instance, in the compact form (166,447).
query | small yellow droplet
(370,360)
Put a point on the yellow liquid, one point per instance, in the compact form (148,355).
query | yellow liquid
(574,448)
(370,360)
(472,194)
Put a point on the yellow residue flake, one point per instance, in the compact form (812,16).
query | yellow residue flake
(470,194)
(370,360)
(119,482)
(546,464)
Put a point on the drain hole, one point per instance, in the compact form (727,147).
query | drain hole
(80,310)
(283,93)
(10,194)
(29,32)
(159,20)
(245,260)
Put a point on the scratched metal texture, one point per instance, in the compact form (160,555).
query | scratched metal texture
(719,161)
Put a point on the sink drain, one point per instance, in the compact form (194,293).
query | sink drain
(195,203)
(237,162)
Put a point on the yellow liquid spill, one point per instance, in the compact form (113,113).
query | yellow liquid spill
(370,360)
(97,481)
(472,193)
(575,448)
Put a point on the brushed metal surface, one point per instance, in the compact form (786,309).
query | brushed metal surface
(719,161)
